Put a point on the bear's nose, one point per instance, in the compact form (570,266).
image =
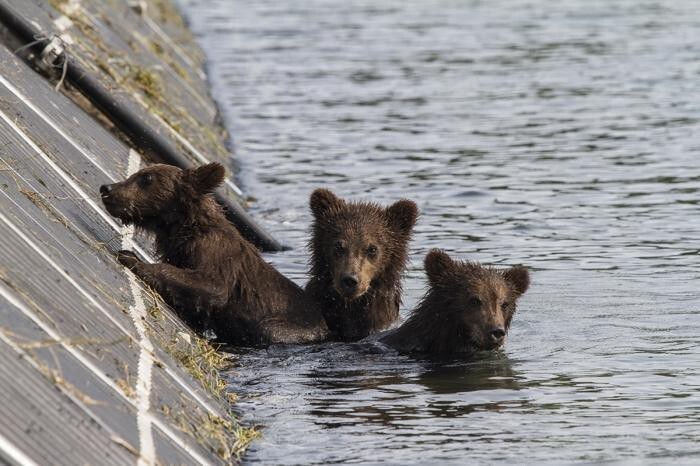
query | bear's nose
(105,190)
(497,334)
(349,282)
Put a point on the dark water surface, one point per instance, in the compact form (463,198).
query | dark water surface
(562,135)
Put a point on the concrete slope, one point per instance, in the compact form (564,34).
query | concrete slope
(94,369)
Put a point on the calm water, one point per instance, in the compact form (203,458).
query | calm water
(562,135)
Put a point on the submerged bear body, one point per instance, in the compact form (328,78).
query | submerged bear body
(208,272)
(358,255)
(467,308)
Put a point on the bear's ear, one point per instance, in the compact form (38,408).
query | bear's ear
(206,178)
(438,266)
(518,277)
(402,215)
(322,200)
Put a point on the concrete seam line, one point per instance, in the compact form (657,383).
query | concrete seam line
(176,377)
(209,108)
(63,273)
(175,75)
(181,53)
(40,113)
(144,373)
(78,402)
(194,151)
(113,224)
(4,292)
(66,178)
(33,187)
(14,453)
(134,126)
(184,141)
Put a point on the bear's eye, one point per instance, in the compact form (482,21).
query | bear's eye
(145,180)
(338,249)
(474,302)
(372,251)
(505,305)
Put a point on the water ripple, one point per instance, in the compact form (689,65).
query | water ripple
(561,135)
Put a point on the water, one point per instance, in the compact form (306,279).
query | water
(561,135)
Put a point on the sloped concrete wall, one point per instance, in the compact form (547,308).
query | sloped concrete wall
(94,368)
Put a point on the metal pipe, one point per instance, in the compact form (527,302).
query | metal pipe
(142,136)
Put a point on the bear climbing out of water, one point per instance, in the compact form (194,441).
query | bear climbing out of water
(211,275)
(358,255)
(468,308)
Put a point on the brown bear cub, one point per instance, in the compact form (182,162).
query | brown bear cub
(468,308)
(358,255)
(209,273)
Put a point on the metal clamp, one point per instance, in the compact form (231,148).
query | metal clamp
(52,55)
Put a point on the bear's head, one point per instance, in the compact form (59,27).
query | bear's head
(471,306)
(160,194)
(358,244)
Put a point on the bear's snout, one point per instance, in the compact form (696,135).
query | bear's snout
(113,201)
(349,283)
(497,335)
(105,190)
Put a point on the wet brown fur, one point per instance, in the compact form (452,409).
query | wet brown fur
(367,242)
(208,272)
(465,303)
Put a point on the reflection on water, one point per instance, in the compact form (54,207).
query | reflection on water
(562,135)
